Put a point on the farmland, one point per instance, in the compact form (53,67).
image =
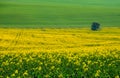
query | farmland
(53,39)
(59,53)
(57,13)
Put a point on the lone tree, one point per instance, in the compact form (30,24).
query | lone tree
(95,26)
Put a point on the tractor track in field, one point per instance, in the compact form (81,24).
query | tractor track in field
(14,42)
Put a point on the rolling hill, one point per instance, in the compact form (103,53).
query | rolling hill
(57,13)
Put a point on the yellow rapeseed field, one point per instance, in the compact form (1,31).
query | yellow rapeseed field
(59,53)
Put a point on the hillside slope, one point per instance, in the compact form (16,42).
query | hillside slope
(59,12)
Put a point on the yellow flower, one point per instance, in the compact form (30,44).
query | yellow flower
(60,76)
(85,69)
(97,73)
(13,74)
(59,61)
(52,67)
(6,77)
(40,63)
(18,77)
(117,76)
(25,73)
(77,62)
(84,65)
(16,71)
(89,61)
(39,68)
(5,63)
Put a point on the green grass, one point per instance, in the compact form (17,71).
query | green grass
(57,13)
